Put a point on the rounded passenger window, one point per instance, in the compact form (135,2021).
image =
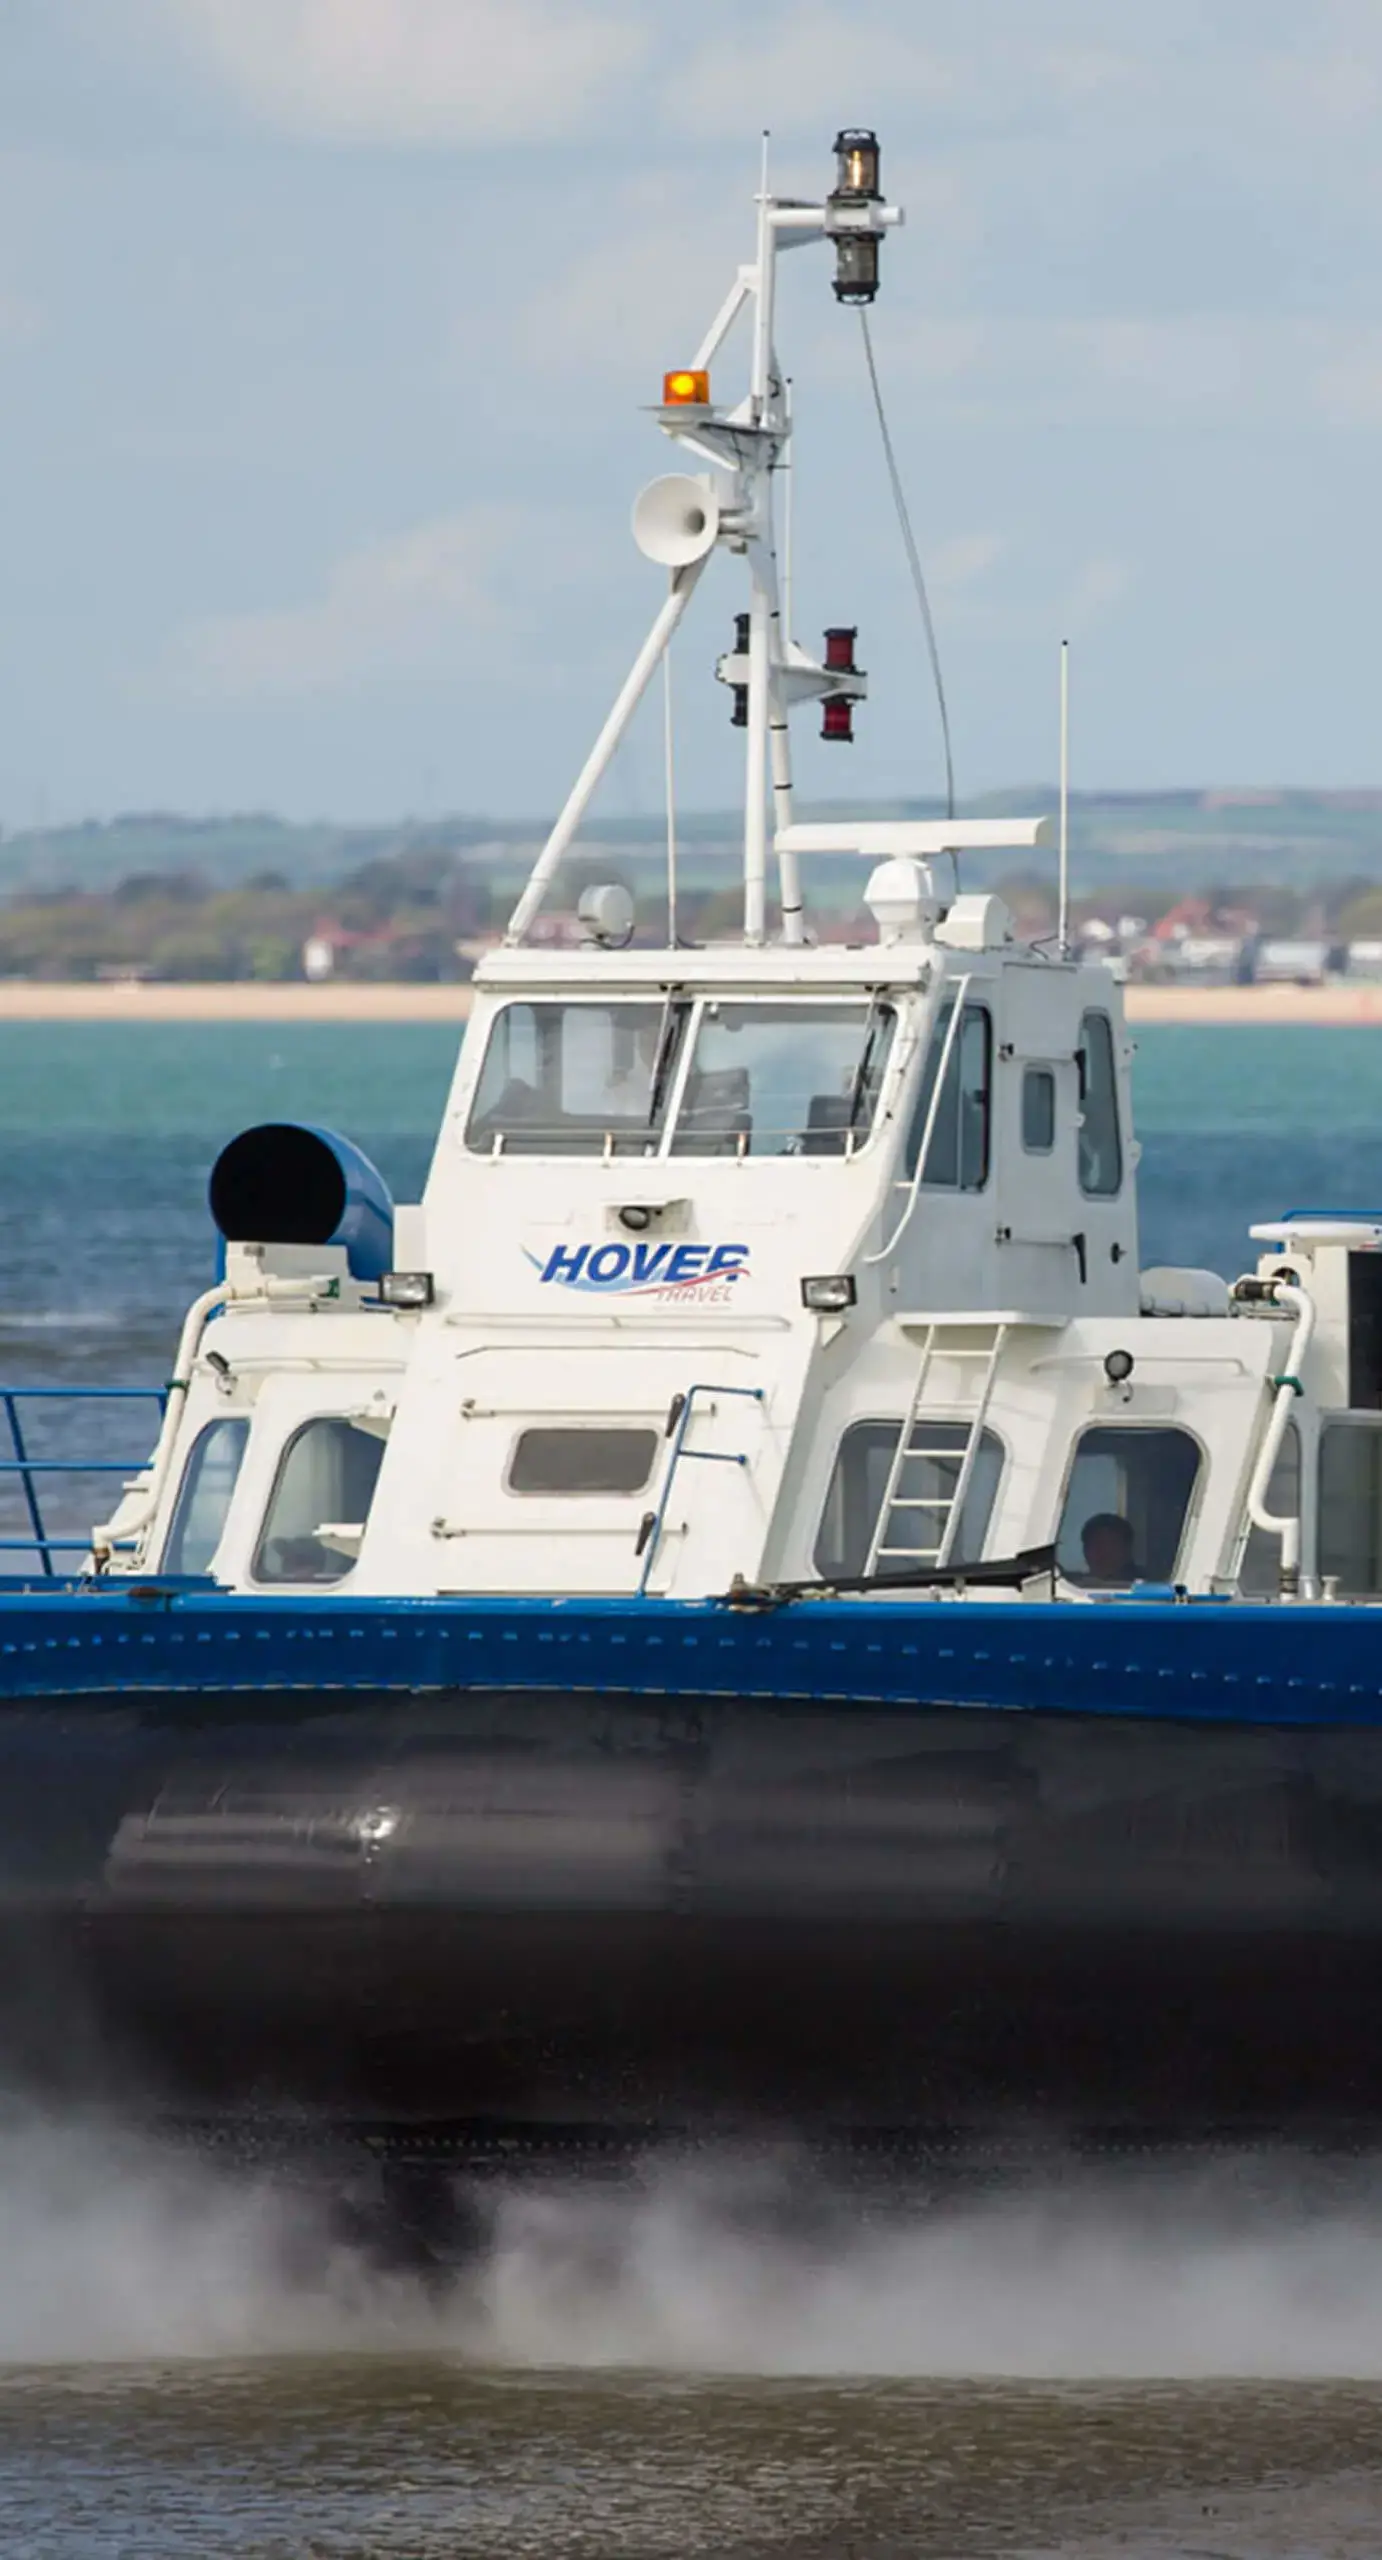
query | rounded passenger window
(208,1481)
(1101,1146)
(1126,1506)
(920,1490)
(320,1502)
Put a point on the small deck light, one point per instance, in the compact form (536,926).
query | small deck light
(408,1289)
(830,1293)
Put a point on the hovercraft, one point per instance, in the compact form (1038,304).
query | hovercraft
(745,1609)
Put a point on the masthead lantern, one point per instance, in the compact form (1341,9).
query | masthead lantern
(686,388)
(856,167)
(850,217)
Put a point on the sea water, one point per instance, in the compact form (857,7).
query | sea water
(1173,2364)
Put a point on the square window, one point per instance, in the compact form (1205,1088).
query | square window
(1039,1111)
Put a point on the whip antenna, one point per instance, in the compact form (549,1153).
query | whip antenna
(1063,922)
(913,560)
(670,789)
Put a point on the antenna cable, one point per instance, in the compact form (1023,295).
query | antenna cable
(913,560)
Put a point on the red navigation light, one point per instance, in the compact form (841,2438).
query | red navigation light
(839,648)
(837,720)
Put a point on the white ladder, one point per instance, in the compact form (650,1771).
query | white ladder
(940,1513)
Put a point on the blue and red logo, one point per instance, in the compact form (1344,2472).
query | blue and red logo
(641,1270)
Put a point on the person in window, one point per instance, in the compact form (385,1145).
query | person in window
(1106,1539)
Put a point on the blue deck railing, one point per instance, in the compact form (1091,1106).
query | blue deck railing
(22,1466)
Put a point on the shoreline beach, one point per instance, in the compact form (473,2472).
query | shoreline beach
(343,1000)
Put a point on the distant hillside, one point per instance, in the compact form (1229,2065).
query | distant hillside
(1178,839)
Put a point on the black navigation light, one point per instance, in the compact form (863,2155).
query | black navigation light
(856,267)
(856,167)
(739,714)
(850,218)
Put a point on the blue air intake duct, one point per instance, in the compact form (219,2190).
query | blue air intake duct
(283,1184)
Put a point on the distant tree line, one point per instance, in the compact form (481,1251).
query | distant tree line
(395,916)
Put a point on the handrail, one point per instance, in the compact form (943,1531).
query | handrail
(924,1150)
(195,1322)
(651,1533)
(28,1468)
(1274,1524)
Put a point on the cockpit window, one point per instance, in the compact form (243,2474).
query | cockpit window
(321,1500)
(783,1079)
(208,1481)
(577,1079)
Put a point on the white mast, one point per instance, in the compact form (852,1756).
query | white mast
(680,520)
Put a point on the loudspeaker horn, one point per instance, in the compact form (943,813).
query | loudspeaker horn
(676,520)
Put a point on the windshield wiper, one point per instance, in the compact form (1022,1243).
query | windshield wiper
(859,1088)
(667,1044)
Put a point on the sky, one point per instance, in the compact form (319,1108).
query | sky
(326,328)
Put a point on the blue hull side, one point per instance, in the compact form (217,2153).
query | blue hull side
(1207,1661)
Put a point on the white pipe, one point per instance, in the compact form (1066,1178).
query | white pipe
(787,469)
(194,1326)
(1063,925)
(788,867)
(761,598)
(723,322)
(670,786)
(780,758)
(1285,1526)
(761,367)
(592,771)
(756,761)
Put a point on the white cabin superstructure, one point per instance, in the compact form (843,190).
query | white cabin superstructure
(769,1262)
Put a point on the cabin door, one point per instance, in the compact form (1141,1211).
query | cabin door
(560,1465)
(1041,1229)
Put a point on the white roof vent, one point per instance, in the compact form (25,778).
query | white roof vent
(1166,1292)
(976,924)
(902,901)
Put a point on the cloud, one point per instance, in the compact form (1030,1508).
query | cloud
(415,71)
(1097,588)
(642,298)
(963,561)
(809,72)
(408,605)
